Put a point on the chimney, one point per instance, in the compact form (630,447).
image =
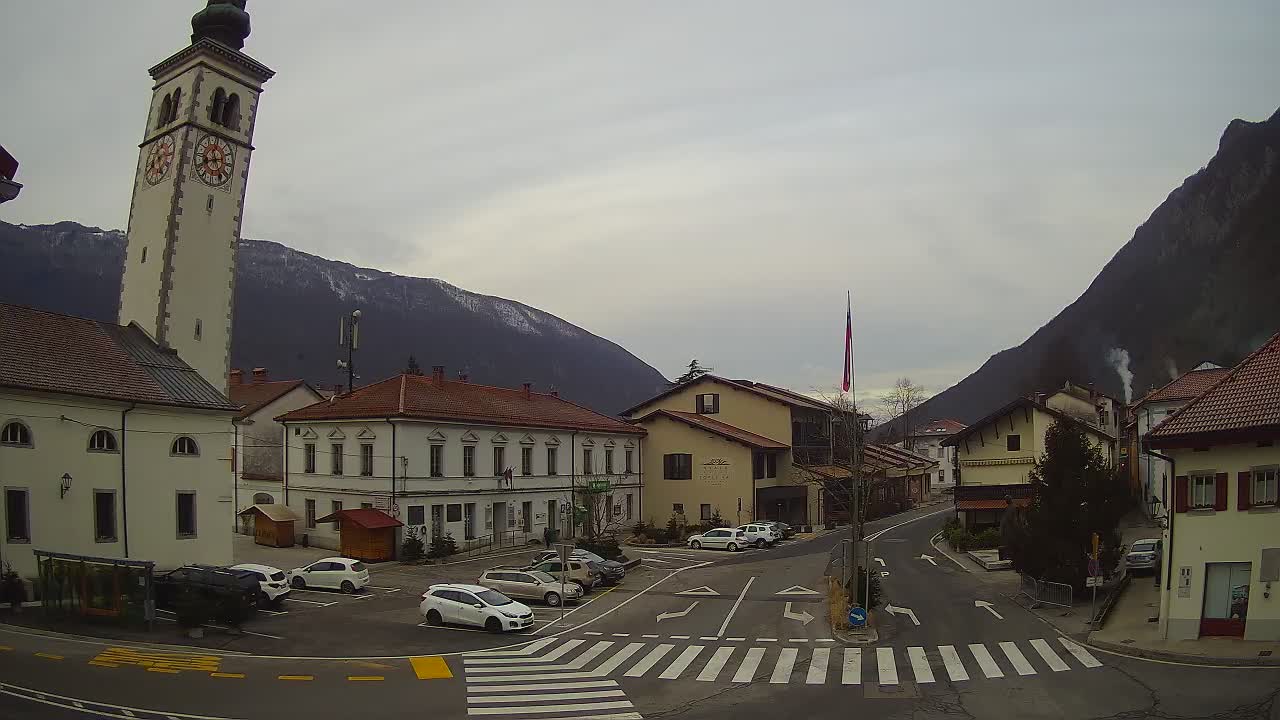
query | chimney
(259,374)
(236,376)
(528,391)
(463,376)
(555,393)
(437,374)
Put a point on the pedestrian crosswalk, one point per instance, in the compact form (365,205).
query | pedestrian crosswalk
(573,671)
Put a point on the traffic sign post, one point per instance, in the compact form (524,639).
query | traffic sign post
(857,617)
(566,551)
(1094,579)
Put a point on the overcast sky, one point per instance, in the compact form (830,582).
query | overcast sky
(685,178)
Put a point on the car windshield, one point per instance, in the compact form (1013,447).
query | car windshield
(277,575)
(544,577)
(1144,546)
(493,597)
(357,566)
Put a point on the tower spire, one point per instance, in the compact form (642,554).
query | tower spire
(223,20)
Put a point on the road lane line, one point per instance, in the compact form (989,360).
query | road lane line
(679,637)
(920,664)
(709,637)
(725,625)
(782,670)
(716,664)
(1017,659)
(238,676)
(1050,658)
(747,670)
(656,560)
(683,661)
(545,686)
(571,707)
(616,660)
(818,667)
(365,678)
(1080,653)
(877,534)
(650,636)
(766,639)
(103,664)
(741,639)
(620,635)
(799,640)
(584,695)
(887,667)
(985,661)
(951,658)
(48,656)
(295,677)
(647,663)
(591,654)
(851,672)
(593,634)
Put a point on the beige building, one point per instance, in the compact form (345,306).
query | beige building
(926,440)
(995,455)
(1222,536)
(110,446)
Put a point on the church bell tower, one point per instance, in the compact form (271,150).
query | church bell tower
(189,189)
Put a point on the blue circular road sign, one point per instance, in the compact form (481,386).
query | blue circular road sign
(857,617)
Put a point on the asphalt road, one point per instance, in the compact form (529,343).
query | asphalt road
(697,634)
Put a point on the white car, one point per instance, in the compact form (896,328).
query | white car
(728,538)
(760,534)
(275,587)
(335,573)
(474,605)
(529,584)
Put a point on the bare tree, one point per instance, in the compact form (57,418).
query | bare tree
(900,401)
(601,519)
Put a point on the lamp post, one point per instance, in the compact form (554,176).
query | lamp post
(349,337)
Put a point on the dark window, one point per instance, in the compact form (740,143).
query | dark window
(437,461)
(1013,442)
(15,433)
(677,466)
(705,510)
(526,461)
(186,515)
(104,516)
(551,461)
(366,506)
(709,403)
(587,466)
(366,459)
(335,458)
(469,460)
(757,466)
(311,514)
(184,446)
(17,518)
(608,461)
(309,457)
(453,512)
(499,460)
(629,503)
(335,506)
(177,102)
(417,514)
(231,112)
(166,106)
(677,508)
(102,441)
(217,106)
(626,462)
(771,465)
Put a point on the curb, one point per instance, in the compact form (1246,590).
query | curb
(631,563)
(1181,658)
(863,637)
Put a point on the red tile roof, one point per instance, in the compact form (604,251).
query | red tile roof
(1246,401)
(44,351)
(724,430)
(368,518)
(895,456)
(954,439)
(737,385)
(422,397)
(1189,385)
(991,504)
(940,428)
(252,397)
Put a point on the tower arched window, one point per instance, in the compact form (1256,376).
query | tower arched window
(15,433)
(184,445)
(231,112)
(217,107)
(102,441)
(166,106)
(177,101)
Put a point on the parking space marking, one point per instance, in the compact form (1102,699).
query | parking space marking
(430,667)
(383,587)
(296,677)
(310,602)
(238,676)
(365,678)
(273,612)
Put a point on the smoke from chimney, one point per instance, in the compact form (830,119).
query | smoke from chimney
(1171,367)
(1118,358)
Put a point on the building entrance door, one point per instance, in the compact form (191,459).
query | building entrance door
(499,519)
(1226,599)
(469,521)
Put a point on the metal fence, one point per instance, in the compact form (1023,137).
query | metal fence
(1043,592)
(494,541)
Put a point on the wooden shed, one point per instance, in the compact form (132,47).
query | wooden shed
(365,533)
(272,524)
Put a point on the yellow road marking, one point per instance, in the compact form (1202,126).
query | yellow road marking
(295,677)
(5,647)
(172,661)
(226,675)
(365,677)
(103,664)
(170,671)
(50,657)
(430,667)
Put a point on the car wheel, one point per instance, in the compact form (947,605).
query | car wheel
(760,544)
(433,617)
(298,583)
(695,545)
(263,601)
(552,599)
(731,547)
(347,587)
(493,625)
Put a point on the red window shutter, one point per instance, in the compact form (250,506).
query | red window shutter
(1243,501)
(1180,493)
(1220,490)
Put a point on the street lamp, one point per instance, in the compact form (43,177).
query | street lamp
(66,485)
(349,337)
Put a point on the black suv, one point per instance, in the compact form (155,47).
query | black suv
(231,595)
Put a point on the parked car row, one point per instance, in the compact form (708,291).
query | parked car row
(758,534)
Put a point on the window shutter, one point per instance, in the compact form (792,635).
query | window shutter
(1180,493)
(1243,501)
(1220,489)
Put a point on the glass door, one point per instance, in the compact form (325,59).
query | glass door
(1226,599)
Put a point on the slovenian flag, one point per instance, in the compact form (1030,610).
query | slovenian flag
(848,344)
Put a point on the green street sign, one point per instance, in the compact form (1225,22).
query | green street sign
(597,485)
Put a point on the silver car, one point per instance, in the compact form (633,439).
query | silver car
(1144,555)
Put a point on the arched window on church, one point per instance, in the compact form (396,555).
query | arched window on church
(177,101)
(216,108)
(166,106)
(231,112)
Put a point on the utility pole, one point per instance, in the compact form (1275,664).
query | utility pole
(349,337)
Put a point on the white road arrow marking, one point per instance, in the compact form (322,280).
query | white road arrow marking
(881,561)
(797,590)
(682,613)
(804,617)
(902,611)
(704,590)
(930,559)
(987,605)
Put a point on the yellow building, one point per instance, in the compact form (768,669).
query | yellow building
(1222,538)
(995,455)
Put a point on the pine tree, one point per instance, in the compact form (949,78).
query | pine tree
(413,367)
(695,371)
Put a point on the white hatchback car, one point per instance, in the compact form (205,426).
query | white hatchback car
(272,581)
(728,538)
(335,573)
(760,534)
(474,605)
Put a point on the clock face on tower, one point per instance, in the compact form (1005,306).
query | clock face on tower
(214,160)
(159,158)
